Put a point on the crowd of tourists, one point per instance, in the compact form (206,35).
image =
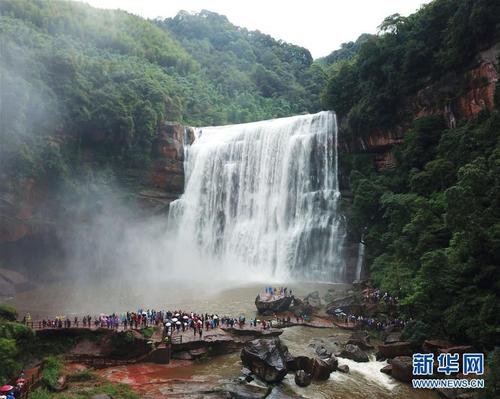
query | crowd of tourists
(371,295)
(173,322)
(273,293)
(369,322)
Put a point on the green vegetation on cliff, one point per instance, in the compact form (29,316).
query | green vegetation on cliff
(105,79)
(370,90)
(432,224)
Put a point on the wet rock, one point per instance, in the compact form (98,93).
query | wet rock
(435,345)
(247,391)
(386,369)
(353,352)
(332,363)
(402,368)
(324,348)
(360,339)
(457,349)
(321,369)
(271,306)
(313,299)
(302,379)
(390,351)
(343,368)
(182,355)
(280,392)
(252,332)
(301,308)
(349,304)
(266,358)
(392,338)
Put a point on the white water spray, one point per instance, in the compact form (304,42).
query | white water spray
(262,199)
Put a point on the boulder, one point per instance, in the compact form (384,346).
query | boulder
(318,369)
(302,379)
(349,304)
(353,352)
(301,308)
(402,368)
(321,369)
(343,368)
(390,351)
(324,347)
(250,390)
(271,306)
(361,339)
(313,299)
(386,369)
(392,338)
(457,349)
(266,358)
(435,345)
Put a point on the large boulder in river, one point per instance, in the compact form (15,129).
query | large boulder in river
(348,304)
(313,299)
(267,358)
(270,305)
(390,351)
(353,352)
(402,368)
(319,369)
(361,339)
(302,378)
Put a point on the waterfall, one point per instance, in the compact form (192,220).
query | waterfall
(263,198)
(360,260)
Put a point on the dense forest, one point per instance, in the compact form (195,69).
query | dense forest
(431,224)
(109,77)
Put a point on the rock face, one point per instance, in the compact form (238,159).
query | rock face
(302,379)
(402,368)
(318,369)
(453,97)
(360,339)
(353,352)
(167,172)
(313,299)
(392,350)
(267,358)
(343,368)
(271,306)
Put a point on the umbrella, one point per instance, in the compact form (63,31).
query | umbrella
(6,388)
(178,323)
(20,381)
(200,322)
(185,317)
(168,324)
(177,314)
(175,319)
(216,317)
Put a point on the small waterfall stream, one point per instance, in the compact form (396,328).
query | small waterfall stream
(263,198)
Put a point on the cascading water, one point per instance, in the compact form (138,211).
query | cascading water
(263,198)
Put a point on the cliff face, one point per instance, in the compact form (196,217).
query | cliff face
(453,97)
(26,210)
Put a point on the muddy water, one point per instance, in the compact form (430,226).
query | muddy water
(158,381)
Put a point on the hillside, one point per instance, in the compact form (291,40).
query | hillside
(84,92)
(420,125)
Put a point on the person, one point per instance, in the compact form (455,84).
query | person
(200,331)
